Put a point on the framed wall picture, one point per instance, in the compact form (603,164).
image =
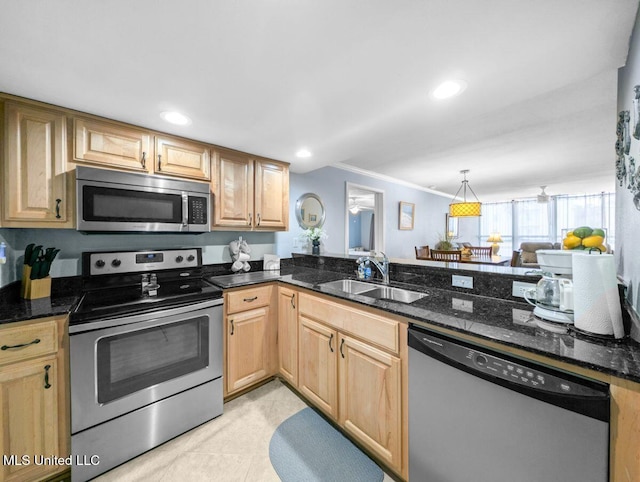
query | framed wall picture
(407,212)
(451,227)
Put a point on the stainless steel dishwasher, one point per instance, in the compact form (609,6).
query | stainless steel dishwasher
(482,416)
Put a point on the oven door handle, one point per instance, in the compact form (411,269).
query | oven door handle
(114,321)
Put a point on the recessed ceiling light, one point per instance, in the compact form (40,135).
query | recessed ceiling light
(303,153)
(175,118)
(450,88)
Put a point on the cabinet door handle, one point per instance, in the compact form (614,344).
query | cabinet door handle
(46,376)
(258,219)
(330,340)
(232,326)
(143,161)
(249,223)
(249,300)
(341,345)
(159,162)
(293,301)
(58,201)
(8,347)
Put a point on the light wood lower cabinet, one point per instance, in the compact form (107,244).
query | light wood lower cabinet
(33,396)
(351,366)
(288,335)
(250,338)
(318,369)
(370,398)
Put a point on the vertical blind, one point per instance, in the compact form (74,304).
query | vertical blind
(527,220)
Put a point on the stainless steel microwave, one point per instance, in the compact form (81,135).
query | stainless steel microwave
(127,202)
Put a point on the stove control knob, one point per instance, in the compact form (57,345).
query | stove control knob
(191,257)
(179,259)
(115,263)
(100,263)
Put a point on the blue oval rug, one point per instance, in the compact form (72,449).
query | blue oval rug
(305,447)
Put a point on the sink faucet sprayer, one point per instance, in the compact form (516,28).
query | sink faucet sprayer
(383,266)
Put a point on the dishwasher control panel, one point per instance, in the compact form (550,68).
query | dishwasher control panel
(503,368)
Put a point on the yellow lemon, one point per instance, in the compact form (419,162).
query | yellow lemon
(571,242)
(592,241)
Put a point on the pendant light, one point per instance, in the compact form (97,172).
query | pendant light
(465,208)
(543,197)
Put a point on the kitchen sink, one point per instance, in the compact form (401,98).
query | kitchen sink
(394,294)
(374,291)
(348,286)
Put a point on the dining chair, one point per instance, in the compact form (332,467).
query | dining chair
(422,252)
(516,258)
(441,255)
(481,251)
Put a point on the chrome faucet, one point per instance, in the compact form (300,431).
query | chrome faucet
(383,266)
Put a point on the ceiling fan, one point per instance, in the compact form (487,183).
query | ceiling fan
(543,197)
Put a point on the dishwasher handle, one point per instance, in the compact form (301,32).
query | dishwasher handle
(587,397)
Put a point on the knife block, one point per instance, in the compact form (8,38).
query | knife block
(31,289)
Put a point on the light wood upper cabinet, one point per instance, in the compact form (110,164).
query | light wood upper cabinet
(34,415)
(232,190)
(109,145)
(288,335)
(249,193)
(317,369)
(371,398)
(179,157)
(271,195)
(36,186)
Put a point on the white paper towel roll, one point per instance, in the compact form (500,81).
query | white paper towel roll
(595,295)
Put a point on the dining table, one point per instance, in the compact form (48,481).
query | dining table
(490,260)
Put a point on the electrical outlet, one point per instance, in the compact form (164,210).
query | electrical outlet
(462,281)
(462,305)
(521,317)
(519,288)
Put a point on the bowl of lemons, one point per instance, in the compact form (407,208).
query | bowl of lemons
(585,238)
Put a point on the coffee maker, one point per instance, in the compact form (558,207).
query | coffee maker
(553,295)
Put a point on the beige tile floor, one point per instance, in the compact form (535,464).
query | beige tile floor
(232,447)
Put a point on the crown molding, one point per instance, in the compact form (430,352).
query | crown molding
(384,177)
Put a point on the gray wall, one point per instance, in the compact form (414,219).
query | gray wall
(627,216)
(329,184)
(72,244)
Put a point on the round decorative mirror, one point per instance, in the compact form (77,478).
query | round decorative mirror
(310,211)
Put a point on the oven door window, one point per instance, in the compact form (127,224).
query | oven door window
(123,205)
(130,362)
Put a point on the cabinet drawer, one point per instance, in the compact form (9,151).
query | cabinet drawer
(19,342)
(366,326)
(248,299)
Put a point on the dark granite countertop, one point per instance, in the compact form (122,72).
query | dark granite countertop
(507,322)
(490,318)
(13,308)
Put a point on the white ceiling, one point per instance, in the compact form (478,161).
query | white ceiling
(349,80)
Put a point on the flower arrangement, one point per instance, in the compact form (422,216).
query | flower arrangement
(314,234)
(444,242)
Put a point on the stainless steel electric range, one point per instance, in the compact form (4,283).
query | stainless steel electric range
(145,355)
